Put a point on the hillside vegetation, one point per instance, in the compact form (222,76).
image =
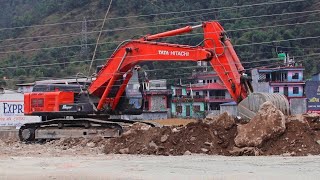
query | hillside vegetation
(42,39)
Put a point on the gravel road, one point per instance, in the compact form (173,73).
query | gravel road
(102,166)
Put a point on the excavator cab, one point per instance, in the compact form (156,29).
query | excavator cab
(132,100)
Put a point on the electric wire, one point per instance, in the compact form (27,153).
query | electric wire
(150,26)
(165,13)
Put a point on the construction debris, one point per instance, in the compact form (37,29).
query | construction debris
(266,134)
(224,120)
(246,151)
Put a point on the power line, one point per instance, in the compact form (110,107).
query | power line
(79,45)
(71,62)
(284,40)
(272,26)
(64,57)
(96,46)
(151,26)
(165,13)
(180,74)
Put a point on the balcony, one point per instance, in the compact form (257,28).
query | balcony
(199,98)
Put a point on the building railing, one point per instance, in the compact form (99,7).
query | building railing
(280,81)
(199,98)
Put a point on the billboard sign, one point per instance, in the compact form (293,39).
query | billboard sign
(313,96)
(11,110)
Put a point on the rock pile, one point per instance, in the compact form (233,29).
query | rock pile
(268,133)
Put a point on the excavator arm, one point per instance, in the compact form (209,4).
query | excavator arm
(216,49)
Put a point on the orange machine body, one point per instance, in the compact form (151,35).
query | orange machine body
(42,102)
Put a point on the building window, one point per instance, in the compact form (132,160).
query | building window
(178,92)
(295,90)
(179,109)
(196,108)
(268,77)
(295,76)
(197,93)
(215,80)
(276,90)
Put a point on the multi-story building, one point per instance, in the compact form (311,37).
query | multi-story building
(287,79)
(203,96)
(155,98)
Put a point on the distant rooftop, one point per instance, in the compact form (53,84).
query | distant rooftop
(64,81)
(210,86)
(266,69)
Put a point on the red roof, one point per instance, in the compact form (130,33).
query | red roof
(210,86)
(205,76)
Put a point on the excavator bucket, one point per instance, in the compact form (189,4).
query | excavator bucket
(248,107)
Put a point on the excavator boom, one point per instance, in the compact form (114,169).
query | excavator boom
(216,49)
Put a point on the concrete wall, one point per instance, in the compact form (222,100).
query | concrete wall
(298,105)
(158,103)
(232,110)
(258,86)
(145,116)
(158,84)
(155,115)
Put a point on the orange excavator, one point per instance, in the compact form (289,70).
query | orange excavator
(68,112)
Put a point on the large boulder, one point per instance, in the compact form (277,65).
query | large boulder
(268,123)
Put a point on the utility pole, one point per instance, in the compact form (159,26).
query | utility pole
(84,40)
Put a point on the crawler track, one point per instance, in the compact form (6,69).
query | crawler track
(63,128)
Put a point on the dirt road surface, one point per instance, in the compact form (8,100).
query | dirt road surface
(159,167)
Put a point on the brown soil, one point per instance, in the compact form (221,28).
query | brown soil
(298,139)
(173,121)
(199,137)
(196,137)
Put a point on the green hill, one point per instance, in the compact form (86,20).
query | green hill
(41,39)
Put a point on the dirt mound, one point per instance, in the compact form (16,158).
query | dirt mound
(216,137)
(298,139)
(224,120)
(196,137)
(212,137)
